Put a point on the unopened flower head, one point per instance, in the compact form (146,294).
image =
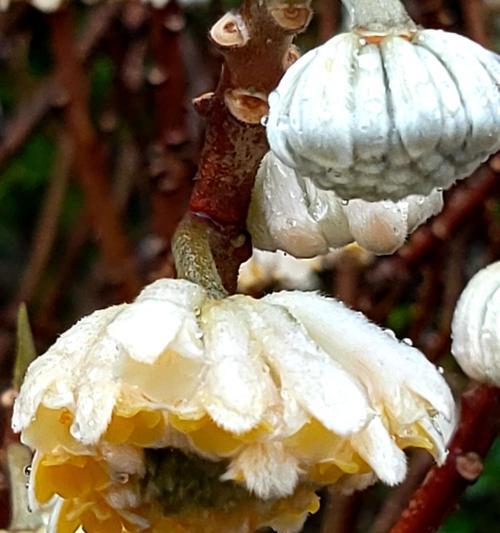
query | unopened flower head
(288,212)
(183,411)
(387,110)
(476,327)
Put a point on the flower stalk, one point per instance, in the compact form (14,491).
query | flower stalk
(379,15)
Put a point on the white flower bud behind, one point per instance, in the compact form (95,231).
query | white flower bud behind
(387,115)
(290,213)
(476,327)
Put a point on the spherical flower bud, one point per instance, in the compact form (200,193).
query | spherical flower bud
(387,110)
(180,412)
(476,327)
(289,213)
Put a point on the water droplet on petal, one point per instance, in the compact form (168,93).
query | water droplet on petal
(408,341)
(27,470)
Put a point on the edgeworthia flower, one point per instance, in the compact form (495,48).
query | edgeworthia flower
(476,327)
(181,412)
(388,109)
(290,213)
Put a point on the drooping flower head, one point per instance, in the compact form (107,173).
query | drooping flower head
(476,327)
(288,212)
(189,413)
(387,110)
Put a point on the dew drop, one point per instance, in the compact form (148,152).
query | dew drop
(345,202)
(264,120)
(408,341)
(441,370)
(27,470)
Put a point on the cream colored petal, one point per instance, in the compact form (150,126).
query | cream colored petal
(163,316)
(237,389)
(396,376)
(376,446)
(318,383)
(279,204)
(268,471)
(380,227)
(420,208)
(54,378)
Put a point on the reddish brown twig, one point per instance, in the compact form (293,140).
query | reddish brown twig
(474,18)
(255,49)
(89,160)
(328,15)
(439,492)
(171,176)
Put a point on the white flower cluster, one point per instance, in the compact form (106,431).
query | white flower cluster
(290,213)
(387,110)
(293,388)
(476,327)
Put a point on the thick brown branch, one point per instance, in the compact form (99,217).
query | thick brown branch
(439,492)
(255,48)
(89,159)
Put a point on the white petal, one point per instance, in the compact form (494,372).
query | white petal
(372,122)
(475,334)
(378,449)
(162,314)
(236,387)
(279,204)
(478,91)
(380,227)
(54,378)
(318,383)
(411,89)
(396,376)
(420,208)
(267,469)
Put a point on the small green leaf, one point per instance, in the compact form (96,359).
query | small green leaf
(25,346)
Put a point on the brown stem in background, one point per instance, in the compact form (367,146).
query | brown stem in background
(255,44)
(329,18)
(32,111)
(439,492)
(46,227)
(89,159)
(171,176)
(473,14)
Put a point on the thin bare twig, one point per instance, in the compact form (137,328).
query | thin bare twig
(45,232)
